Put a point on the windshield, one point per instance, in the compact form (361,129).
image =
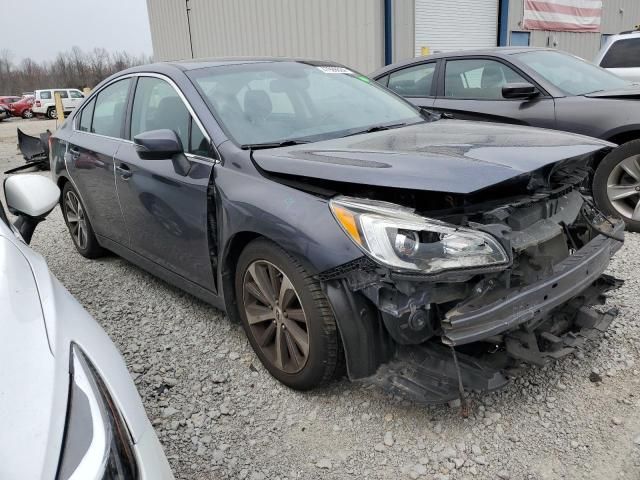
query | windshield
(276,102)
(571,74)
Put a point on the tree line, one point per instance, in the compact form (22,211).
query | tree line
(73,69)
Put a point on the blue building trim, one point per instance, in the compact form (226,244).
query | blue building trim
(388,33)
(503,23)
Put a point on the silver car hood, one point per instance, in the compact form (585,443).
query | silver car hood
(39,320)
(27,369)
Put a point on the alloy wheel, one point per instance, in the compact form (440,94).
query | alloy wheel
(76,219)
(27,114)
(275,316)
(623,187)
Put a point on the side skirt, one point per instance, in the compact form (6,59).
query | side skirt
(163,273)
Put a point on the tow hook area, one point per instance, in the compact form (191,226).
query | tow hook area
(427,374)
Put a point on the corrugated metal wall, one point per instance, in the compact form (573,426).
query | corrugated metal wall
(404,23)
(347,31)
(169,32)
(617,16)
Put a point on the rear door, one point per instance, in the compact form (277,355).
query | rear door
(471,89)
(75,98)
(97,136)
(165,201)
(66,101)
(416,83)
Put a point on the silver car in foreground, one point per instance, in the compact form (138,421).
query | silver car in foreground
(68,406)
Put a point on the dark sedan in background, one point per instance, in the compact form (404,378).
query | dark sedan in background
(338,224)
(542,88)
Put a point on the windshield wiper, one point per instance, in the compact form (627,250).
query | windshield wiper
(284,143)
(376,128)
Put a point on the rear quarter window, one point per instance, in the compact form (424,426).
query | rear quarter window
(622,54)
(45,95)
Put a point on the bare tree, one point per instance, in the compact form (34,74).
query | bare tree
(75,68)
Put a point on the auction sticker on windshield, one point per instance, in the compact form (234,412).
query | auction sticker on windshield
(335,70)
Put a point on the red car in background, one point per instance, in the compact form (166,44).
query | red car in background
(9,99)
(22,108)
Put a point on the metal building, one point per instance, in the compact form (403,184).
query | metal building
(363,34)
(617,16)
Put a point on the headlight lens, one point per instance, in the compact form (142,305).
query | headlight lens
(96,444)
(398,238)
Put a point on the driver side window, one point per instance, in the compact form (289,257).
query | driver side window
(480,79)
(156,106)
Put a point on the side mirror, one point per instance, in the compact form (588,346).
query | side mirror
(519,90)
(31,197)
(157,144)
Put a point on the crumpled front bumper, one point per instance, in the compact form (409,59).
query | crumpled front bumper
(572,276)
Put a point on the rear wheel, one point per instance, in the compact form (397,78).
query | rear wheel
(616,184)
(52,113)
(286,316)
(80,229)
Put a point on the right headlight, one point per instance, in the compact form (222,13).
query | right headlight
(397,237)
(97,444)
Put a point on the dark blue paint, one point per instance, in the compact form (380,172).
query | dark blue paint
(388,32)
(503,23)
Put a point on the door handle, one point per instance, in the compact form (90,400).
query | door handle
(447,115)
(124,171)
(75,153)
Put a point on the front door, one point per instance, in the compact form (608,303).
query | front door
(472,90)
(165,201)
(90,159)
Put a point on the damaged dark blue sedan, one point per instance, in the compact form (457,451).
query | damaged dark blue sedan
(340,225)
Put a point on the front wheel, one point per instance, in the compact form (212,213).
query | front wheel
(616,184)
(27,114)
(286,316)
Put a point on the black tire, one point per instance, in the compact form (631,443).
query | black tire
(323,344)
(601,181)
(89,248)
(52,114)
(27,114)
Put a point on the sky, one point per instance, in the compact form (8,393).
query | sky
(41,28)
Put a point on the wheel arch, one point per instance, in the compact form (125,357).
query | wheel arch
(625,136)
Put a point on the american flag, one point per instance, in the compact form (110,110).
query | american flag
(562,15)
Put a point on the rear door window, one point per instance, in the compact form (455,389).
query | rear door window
(108,114)
(63,93)
(413,81)
(622,54)
(86,116)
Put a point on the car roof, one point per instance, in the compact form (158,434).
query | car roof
(198,63)
(491,52)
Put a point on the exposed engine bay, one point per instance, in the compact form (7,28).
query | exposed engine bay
(468,328)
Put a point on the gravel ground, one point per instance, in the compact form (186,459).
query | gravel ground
(220,415)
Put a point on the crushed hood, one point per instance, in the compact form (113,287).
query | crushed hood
(450,156)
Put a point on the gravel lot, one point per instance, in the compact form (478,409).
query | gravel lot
(220,415)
